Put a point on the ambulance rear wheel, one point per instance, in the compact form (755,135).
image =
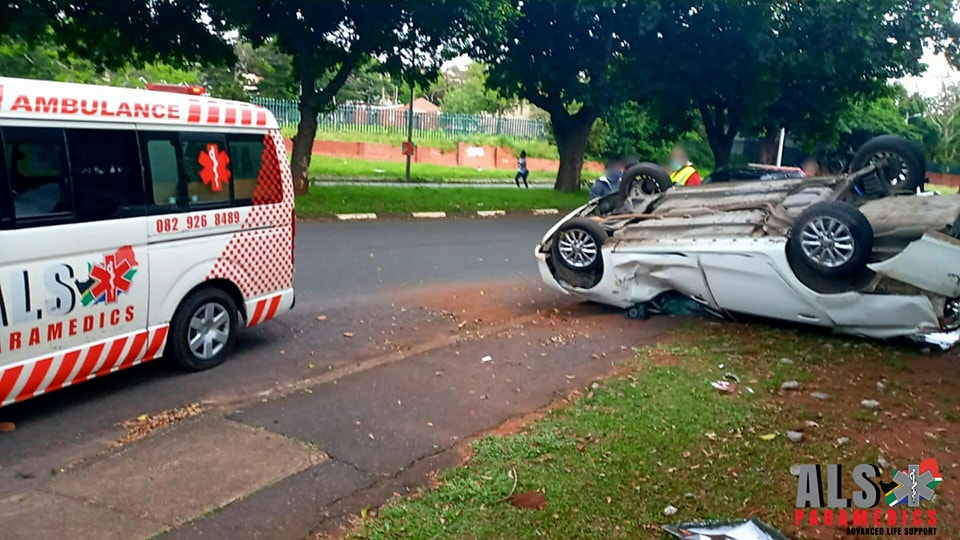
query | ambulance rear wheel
(204,330)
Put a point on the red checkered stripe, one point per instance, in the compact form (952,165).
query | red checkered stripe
(223,114)
(265,310)
(46,374)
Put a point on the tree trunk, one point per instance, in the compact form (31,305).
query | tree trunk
(769,145)
(721,127)
(571,133)
(722,147)
(306,133)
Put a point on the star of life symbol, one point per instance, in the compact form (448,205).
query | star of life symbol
(109,279)
(214,172)
(915,484)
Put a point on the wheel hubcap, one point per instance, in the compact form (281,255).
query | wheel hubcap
(578,248)
(828,242)
(895,171)
(209,331)
(643,186)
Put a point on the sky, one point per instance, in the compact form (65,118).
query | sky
(939,72)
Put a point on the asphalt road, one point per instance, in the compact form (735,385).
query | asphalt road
(348,272)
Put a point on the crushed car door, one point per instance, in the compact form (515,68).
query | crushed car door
(748,283)
(931,263)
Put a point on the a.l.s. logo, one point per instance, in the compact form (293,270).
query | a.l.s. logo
(214,170)
(106,281)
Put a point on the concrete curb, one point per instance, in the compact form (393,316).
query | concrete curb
(356,217)
(486,214)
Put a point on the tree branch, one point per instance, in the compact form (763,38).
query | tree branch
(338,80)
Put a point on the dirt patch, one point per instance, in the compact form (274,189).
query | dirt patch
(486,303)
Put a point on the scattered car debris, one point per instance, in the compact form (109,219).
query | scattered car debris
(881,387)
(731,377)
(843,441)
(753,529)
(795,436)
(790,386)
(870,404)
(670,510)
(786,362)
(486,359)
(768,437)
(820,396)
(795,469)
(724,387)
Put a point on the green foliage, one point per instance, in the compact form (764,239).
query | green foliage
(114,34)
(892,114)
(797,64)
(575,60)
(333,168)
(471,95)
(945,115)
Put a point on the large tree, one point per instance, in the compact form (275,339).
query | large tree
(759,65)
(328,40)
(119,32)
(575,59)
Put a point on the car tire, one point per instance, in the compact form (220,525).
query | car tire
(577,245)
(831,238)
(644,179)
(907,168)
(209,315)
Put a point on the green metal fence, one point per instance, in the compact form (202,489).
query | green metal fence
(366,119)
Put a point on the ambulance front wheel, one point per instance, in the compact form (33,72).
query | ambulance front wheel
(204,330)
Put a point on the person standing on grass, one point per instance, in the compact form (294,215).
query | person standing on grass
(522,171)
(682,171)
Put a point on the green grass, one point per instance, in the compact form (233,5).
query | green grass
(326,167)
(943,190)
(610,463)
(328,200)
(535,148)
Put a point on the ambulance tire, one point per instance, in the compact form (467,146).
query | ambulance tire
(203,330)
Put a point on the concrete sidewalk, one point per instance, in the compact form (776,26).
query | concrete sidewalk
(287,466)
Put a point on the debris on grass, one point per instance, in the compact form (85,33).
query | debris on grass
(786,362)
(670,510)
(724,387)
(795,436)
(820,396)
(768,437)
(790,386)
(486,359)
(843,441)
(870,404)
(7,427)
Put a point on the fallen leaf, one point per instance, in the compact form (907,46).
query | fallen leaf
(143,418)
(365,511)
(529,500)
(7,427)
(310,366)
(348,334)
(768,437)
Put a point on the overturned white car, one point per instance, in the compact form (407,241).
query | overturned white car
(861,253)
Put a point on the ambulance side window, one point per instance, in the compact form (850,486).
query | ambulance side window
(6,203)
(162,171)
(38,175)
(107,178)
(207,168)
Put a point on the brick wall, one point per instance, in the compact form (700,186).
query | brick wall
(942,179)
(477,157)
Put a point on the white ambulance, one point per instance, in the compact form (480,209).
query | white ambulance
(134,224)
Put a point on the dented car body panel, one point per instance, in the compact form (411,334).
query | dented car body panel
(726,247)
